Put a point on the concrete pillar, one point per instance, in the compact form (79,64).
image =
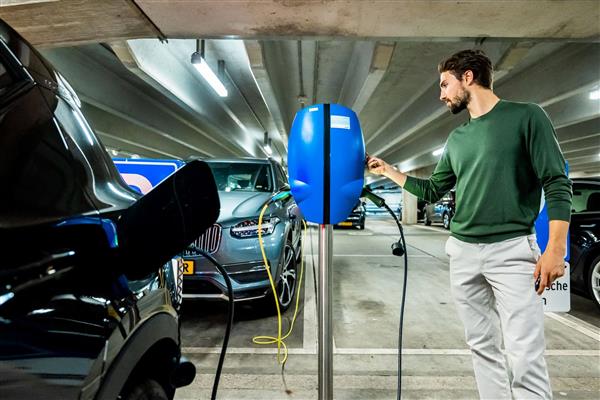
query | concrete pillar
(409,201)
(409,208)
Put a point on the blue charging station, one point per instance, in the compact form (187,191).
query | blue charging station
(326,161)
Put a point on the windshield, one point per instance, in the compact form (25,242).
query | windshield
(248,177)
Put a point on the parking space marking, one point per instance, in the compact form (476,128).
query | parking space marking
(309,334)
(577,324)
(368,351)
(430,228)
(381,255)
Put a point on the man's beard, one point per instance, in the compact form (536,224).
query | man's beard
(459,103)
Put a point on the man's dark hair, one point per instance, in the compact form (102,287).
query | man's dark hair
(469,60)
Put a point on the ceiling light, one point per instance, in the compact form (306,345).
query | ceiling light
(199,62)
(595,95)
(438,152)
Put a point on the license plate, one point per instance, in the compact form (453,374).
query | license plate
(345,224)
(188,267)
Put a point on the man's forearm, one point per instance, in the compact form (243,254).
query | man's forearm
(396,176)
(557,242)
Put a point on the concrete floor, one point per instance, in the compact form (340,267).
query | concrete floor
(367,287)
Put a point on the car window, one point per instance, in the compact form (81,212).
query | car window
(280,176)
(249,177)
(6,79)
(586,197)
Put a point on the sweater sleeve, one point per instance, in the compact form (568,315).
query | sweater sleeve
(549,164)
(440,182)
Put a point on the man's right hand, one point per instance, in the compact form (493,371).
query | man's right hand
(377,165)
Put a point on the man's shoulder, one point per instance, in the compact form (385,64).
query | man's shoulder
(519,106)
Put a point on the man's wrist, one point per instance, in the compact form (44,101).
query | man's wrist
(558,249)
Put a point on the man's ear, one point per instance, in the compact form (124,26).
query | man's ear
(468,77)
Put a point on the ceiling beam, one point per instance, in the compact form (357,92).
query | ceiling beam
(75,22)
(258,67)
(380,19)
(367,66)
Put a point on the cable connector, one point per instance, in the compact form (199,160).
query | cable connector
(281,195)
(378,201)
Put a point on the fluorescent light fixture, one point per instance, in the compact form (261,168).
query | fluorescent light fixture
(595,95)
(268,149)
(438,152)
(202,66)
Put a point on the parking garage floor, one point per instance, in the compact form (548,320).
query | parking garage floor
(367,289)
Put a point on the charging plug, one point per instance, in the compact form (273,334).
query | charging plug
(378,201)
(397,249)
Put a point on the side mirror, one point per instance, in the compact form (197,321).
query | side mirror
(168,218)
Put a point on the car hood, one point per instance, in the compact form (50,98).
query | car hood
(238,204)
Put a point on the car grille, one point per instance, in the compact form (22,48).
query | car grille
(209,241)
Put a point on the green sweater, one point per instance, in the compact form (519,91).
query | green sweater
(499,163)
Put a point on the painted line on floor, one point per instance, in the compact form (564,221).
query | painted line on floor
(577,324)
(309,335)
(367,351)
(381,255)
(429,228)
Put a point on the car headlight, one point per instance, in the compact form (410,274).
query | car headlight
(249,228)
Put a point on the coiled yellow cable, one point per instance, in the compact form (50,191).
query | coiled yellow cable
(266,340)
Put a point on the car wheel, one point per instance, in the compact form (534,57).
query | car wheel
(446,221)
(362,226)
(286,281)
(594,281)
(147,389)
(426,220)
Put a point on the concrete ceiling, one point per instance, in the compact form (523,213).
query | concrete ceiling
(378,57)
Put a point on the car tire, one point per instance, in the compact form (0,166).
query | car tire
(147,389)
(426,220)
(593,281)
(285,284)
(362,226)
(446,220)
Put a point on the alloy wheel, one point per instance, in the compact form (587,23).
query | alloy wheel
(595,281)
(446,221)
(286,287)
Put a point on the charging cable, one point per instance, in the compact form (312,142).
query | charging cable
(267,340)
(229,315)
(398,249)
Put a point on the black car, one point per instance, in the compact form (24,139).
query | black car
(440,211)
(584,235)
(88,288)
(356,218)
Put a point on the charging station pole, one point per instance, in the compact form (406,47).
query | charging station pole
(326,161)
(324,305)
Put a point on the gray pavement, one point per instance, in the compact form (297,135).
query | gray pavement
(367,289)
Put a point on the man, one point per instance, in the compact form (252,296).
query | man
(499,161)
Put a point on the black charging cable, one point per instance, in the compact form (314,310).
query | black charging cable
(229,315)
(398,249)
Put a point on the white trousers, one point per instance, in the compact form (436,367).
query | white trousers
(493,288)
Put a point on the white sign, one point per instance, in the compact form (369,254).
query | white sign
(340,122)
(557,297)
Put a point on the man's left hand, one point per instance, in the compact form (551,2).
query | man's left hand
(549,267)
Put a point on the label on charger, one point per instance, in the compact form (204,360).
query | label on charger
(340,122)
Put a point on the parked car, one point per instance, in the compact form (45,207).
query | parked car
(440,211)
(88,287)
(421,209)
(584,235)
(245,185)
(356,218)
(392,197)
